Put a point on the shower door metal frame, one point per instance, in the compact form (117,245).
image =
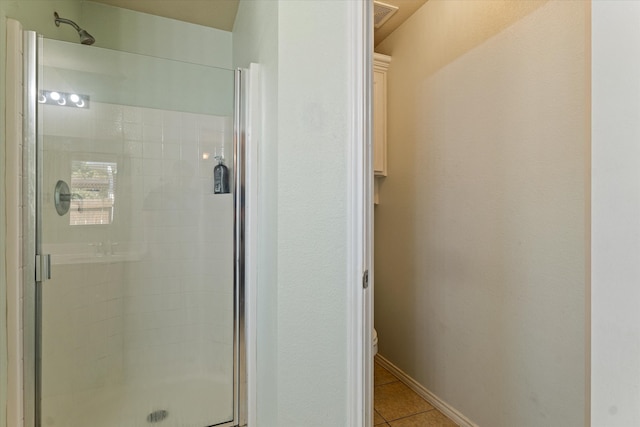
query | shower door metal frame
(36,269)
(32,238)
(239,203)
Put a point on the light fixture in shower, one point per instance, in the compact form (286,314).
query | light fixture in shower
(63,99)
(85,37)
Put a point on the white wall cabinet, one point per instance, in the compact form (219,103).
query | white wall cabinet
(380,66)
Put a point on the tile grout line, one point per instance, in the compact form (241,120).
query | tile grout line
(387,422)
(408,416)
(445,409)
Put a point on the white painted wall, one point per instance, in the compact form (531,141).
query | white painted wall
(480,232)
(37,15)
(131,31)
(615,339)
(302,294)
(313,138)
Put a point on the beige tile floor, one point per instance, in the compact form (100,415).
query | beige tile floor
(396,405)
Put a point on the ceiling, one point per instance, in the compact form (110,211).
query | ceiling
(406,9)
(221,14)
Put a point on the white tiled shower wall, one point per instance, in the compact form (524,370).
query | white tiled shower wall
(147,299)
(14,239)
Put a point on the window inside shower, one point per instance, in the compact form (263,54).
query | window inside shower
(93,189)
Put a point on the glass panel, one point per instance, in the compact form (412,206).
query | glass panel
(138,318)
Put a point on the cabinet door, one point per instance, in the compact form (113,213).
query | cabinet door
(379,123)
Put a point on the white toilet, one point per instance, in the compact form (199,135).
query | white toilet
(375,342)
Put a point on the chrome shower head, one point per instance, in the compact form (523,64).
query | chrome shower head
(85,37)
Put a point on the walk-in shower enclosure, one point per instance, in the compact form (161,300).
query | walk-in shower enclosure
(134,317)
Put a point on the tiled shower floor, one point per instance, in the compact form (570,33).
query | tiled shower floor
(396,405)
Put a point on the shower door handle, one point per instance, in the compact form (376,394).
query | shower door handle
(43,267)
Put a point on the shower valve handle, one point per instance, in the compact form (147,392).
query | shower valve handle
(62,197)
(67,197)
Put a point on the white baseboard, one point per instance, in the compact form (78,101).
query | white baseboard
(434,400)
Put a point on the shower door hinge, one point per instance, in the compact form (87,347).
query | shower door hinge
(365,279)
(43,267)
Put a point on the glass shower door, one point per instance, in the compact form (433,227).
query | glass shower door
(138,322)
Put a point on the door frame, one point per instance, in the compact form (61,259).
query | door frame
(360,216)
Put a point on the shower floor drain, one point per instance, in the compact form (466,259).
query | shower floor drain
(157,416)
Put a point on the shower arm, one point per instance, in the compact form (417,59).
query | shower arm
(85,37)
(58,20)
